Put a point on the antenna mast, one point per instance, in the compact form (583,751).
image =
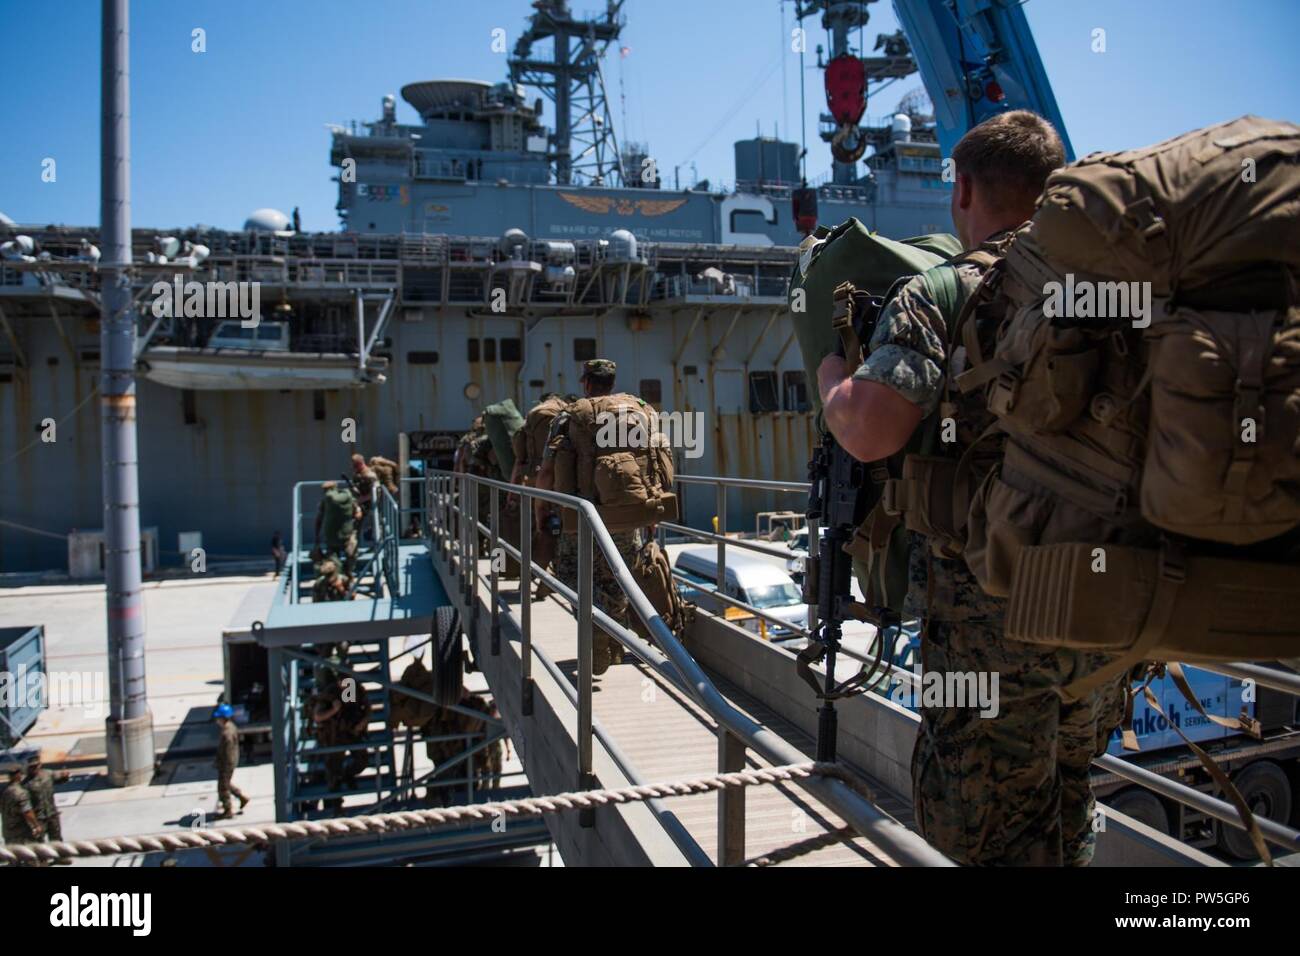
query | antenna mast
(584,146)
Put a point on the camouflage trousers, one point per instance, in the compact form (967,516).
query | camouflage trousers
(226,789)
(605,591)
(1010,789)
(53,828)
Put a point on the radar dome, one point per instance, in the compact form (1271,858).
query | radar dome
(6,221)
(513,243)
(266,220)
(902,126)
(622,246)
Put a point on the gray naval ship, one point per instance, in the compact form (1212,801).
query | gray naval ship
(483,254)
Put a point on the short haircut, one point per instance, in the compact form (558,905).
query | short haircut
(1010,156)
(600,382)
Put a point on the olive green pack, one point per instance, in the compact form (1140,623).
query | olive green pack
(873,264)
(502,420)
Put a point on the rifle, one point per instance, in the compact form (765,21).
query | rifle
(843,491)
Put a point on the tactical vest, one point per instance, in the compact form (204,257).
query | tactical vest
(617,458)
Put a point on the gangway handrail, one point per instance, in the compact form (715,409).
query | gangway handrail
(685,672)
(1283,681)
(385,516)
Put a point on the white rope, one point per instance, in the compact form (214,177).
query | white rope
(407,819)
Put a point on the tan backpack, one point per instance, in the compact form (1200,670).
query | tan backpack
(621,462)
(530,441)
(654,575)
(1149,498)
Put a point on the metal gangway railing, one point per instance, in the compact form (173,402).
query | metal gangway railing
(377,557)
(456,536)
(1222,810)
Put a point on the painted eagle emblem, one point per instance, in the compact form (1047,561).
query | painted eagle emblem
(604,205)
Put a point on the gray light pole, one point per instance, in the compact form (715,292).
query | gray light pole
(129,727)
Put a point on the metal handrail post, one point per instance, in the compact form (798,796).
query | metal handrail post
(297,541)
(722,538)
(731,801)
(494,631)
(466,526)
(471,567)
(586,780)
(444,504)
(526,605)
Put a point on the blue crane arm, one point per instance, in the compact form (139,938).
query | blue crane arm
(961,46)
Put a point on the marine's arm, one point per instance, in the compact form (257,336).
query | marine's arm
(871,421)
(872,411)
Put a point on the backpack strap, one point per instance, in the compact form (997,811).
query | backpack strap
(1226,785)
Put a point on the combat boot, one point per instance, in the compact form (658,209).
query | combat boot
(600,654)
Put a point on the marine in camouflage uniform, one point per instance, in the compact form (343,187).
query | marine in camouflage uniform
(329,585)
(336,523)
(385,472)
(226,761)
(340,722)
(18,820)
(40,786)
(605,591)
(1010,789)
(487,762)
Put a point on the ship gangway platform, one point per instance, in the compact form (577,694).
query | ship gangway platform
(720,700)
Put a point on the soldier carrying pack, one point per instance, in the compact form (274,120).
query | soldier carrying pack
(618,459)
(1146,377)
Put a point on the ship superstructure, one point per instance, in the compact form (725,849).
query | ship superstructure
(483,256)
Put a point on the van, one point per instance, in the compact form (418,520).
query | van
(757,581)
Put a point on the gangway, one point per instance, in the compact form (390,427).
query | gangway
(660,719)
(718,701)
(323,653)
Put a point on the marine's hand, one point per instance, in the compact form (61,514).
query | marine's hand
(833,370)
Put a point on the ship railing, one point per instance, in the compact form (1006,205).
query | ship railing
(1278,680)
(457,535)
(377,559)
(330,273)
(776,189)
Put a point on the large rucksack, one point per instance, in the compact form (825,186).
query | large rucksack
(502,420)
(1148,504)
(872,267)
(530,441)
(654,575)
(618,459)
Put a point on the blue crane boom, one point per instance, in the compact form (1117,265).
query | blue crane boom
(977,58)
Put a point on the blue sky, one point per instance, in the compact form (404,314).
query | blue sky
(218,134)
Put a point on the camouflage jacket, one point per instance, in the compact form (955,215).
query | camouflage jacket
(40,786)
(910,353)
(15,802)
(228,747)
